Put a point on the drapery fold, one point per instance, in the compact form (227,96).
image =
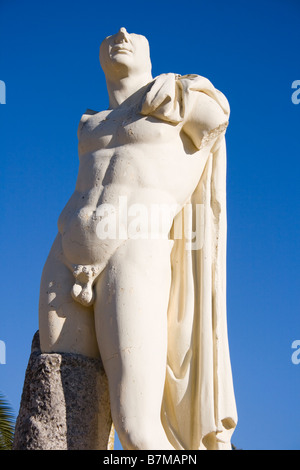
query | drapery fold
(198,409)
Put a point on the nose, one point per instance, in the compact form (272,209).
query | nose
(122,36)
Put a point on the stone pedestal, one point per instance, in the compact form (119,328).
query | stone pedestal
(64,405)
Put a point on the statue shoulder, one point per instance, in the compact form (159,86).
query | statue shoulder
(84,118)
(201,87)
(190,101)
(172,96)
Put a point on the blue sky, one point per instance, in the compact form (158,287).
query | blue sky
(250,51)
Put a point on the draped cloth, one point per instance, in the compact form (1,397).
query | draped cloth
(198,408)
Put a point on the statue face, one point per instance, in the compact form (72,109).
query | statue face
(124,53)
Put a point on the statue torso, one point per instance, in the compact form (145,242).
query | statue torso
(125,154)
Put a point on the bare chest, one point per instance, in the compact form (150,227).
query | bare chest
(108,130)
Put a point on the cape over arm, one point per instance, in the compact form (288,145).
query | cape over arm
(189,100)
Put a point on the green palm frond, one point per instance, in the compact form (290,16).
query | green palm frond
(7,424)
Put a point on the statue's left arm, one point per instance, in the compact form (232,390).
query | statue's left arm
(204,118)
(191,101)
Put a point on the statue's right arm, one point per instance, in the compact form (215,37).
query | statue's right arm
(84,118)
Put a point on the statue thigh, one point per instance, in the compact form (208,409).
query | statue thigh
(131,326)
(64,324)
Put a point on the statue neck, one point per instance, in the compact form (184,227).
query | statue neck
(122,89)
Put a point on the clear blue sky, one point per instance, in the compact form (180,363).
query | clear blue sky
(250,51)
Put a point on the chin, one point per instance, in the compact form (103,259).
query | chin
(121,58)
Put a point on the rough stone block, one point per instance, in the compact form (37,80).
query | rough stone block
(64,405)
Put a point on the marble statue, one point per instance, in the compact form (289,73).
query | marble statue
(149,298)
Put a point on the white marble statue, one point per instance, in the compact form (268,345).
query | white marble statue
(149,296)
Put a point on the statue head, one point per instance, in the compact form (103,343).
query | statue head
(124,54)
